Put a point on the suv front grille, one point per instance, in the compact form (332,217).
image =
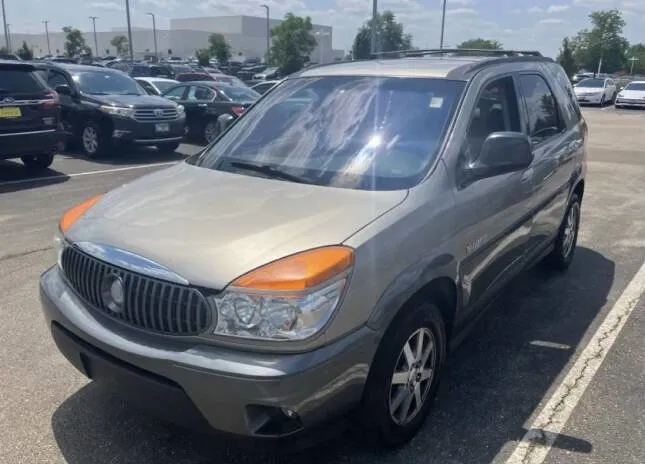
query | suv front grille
(155,114)
(150,304)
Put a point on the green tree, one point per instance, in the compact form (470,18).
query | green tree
(293,42)
(637,51)
(605,39)
(219,48)
(390,36)
(121,45)
(74,41)
(203,56)
(4,50)
(483,44)
(566,59)
(24,52)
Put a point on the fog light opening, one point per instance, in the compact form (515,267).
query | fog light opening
(271,421)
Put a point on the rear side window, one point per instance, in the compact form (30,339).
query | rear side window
(15,81)
(544,121)
(571,104)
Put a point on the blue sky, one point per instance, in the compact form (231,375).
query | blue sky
(526,24)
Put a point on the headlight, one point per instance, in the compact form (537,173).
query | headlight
(289,299)
(59,246)
(180,110)
(121,111)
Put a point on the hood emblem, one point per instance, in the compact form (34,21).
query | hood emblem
(113,293)
(158,113)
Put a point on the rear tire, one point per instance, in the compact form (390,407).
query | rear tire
(565,242)
(38,162)
(211,131)
(169,147)
(402,375)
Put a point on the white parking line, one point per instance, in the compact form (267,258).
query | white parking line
(88,173)
(544,429)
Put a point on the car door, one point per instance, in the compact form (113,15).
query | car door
(493,214)
(611,89)
(197,103)
(69,104)
(554,148)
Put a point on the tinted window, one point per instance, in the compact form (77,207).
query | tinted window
(176,92)
(541,105)
(164,85)
(148,87)
(241,94)
(56,79)
(352,132)
(635,86)
(592,83)
(572,108)
(143,71)
(262,88)
(159,71)
(496,111)
(198,93)
(14,81)
(105,82)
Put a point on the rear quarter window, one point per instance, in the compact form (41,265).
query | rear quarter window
(568,104)
(18,81)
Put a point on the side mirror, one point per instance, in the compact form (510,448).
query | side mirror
(64,90)
(501,153)
(224,121)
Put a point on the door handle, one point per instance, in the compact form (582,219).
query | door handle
(202,105)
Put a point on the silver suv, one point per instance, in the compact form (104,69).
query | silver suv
(329,248)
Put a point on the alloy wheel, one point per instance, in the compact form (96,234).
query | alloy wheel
(570,229)
(90,139)
(412,377)
(210,131)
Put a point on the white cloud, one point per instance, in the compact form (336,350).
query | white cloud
(163,4)
(517,10)
(535,9)
(552,21)
(107,6)
(557,8)
(461,11)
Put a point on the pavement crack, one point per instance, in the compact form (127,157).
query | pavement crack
(24,253)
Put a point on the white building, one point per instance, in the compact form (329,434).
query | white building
(246,35)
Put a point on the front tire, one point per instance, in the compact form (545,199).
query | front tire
(38,162)
(211,131)
(565,242)
(169,147)
(404,376)
(94,141)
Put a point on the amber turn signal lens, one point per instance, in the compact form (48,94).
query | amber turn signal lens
(300,271)
(75,212)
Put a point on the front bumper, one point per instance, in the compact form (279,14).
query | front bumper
(203,386)
(36,142)
(148,133)
(590,99)
(630,102)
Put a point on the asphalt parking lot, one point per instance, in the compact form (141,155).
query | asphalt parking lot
(558,361)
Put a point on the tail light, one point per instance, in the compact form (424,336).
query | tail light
(238,110)
(51,99)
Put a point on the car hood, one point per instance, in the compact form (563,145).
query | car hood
(211,226)
(134,101)
(632,94)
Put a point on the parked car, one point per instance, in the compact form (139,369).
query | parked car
(9,57)
(264,86)
(328,250)
(151,70)
(633,95)
(204,76)
(156,85)
(583,75)
(103,108)
(205,101)
(596,91)
(247,72)
(30,126)
(268,74)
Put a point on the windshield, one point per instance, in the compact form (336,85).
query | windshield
(353,132)
(240,93)
(592,83)
(105,82)
(635,86)
(164,85)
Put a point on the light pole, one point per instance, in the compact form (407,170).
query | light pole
(602,34)
(321,44)
(49,48)
(6,27)
(96,42)
(130,44)
(10,42)
(373,29)
(631,69)
(443,23)
(154,33)
(268,33)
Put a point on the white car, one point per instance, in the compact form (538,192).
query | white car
(156,85)
(595,91)
(633,94)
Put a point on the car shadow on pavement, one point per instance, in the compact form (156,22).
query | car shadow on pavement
(493,383)
(14,176)
(133,156)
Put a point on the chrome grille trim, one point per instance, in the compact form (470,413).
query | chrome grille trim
(150,304)
(150,114)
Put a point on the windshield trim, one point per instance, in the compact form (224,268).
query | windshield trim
(388,183)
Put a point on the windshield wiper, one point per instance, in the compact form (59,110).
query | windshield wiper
(269,171)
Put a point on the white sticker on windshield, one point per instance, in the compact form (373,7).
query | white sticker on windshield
(436,102)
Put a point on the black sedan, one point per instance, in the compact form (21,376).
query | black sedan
(205,101)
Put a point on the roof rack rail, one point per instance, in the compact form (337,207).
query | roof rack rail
(455,52)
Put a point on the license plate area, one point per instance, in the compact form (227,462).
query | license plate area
(10,112)
(162,127)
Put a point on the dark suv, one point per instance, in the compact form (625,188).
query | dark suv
(102,108)
(29,116)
